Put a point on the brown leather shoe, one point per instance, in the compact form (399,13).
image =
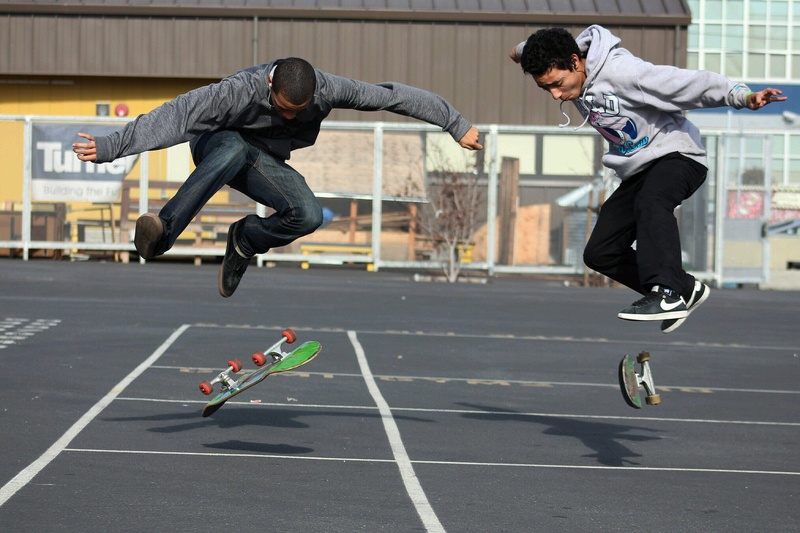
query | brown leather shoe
(149,237)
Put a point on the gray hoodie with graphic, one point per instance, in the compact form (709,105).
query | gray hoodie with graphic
(241,102)
(637,106)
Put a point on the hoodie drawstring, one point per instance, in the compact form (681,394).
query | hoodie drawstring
(564,125)
(585,119)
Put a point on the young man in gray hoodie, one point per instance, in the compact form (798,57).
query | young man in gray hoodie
(655,151)
(242,131)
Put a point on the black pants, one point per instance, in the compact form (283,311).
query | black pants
(641,210)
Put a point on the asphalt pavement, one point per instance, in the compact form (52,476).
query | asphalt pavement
(432,407)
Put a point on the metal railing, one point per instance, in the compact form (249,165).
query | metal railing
(566,215)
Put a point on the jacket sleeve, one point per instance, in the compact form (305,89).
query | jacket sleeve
(520,48)
(674,89)
(175,122)
(344,93)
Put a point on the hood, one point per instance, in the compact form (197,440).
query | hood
(596,43)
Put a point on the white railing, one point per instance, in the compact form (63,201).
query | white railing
(499,140)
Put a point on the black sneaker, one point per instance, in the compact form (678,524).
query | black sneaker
(233,265)
(699,295)
(149,237)
(661,303)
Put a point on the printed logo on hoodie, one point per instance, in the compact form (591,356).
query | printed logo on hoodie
(620,130)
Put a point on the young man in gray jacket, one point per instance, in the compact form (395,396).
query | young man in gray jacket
(655,151)
(241,132)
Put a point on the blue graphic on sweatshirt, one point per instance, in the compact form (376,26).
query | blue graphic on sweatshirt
(620,130)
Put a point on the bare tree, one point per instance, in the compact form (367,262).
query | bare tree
(451,218)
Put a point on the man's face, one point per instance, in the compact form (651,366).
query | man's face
(285,109)
(562,84)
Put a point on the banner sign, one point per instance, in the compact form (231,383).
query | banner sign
(58,175)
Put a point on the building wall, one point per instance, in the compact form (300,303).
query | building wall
(754,40)
(467,63)
(757,42)
(66,65)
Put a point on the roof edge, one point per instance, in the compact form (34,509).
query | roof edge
(329,13)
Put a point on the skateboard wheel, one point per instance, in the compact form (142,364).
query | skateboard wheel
(643,357)
(653,399)
(206,388)
(259,359)
(236,364)
(290,335)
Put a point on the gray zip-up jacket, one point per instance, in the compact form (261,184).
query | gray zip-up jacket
(637,106)
(241,102)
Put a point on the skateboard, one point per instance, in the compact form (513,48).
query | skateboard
(272,361)
(631,382)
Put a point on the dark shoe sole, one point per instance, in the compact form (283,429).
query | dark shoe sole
(149,232)
(219,283)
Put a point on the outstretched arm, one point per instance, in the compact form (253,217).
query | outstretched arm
(759,99)
(344,93)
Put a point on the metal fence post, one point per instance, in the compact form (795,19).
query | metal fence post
(377,194)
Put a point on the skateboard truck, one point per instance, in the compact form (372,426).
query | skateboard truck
(632,382)
(224,377)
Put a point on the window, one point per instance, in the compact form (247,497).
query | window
(734,11)
(756,66)
(734,40)
(777,66)
(713,36)
(754,40)
(713,62)
(757,37)
(713,10)
(733,66)
(758,10)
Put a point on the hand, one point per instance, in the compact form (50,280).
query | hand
(86,151)
(766,96)
(513,55)
(470,140)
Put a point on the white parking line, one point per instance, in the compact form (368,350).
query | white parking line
(228,455)
(412,484)
(334,406)
(26,475)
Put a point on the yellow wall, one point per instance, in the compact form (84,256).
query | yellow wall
(11,166)
(75,97)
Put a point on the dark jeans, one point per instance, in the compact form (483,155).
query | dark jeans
(641,210)
(225,158)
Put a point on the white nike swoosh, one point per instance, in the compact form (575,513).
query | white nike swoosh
(669,307)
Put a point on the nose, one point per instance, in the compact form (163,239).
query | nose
(556,94)
(287,115)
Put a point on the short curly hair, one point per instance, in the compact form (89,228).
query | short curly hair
(548,48)
(295,79)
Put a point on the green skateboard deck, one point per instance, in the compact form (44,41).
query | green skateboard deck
(279,362)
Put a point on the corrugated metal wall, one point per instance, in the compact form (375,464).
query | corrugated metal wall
(467,63)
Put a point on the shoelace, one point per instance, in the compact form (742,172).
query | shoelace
(647,298)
